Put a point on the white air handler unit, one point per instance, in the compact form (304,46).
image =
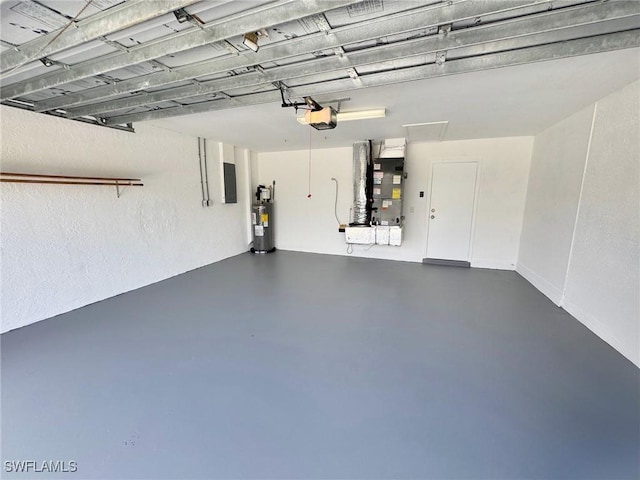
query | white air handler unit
(378,193)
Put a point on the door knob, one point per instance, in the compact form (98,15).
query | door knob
(433,216)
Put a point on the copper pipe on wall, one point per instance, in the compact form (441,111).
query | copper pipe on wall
(70,182)
(108,179)
(6,177)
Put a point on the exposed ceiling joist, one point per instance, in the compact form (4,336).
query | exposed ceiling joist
(111,20)
(508,35)
(583,46)
(406,21)
(274,13)
(162,67)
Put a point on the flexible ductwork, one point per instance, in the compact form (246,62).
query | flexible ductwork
(361,160)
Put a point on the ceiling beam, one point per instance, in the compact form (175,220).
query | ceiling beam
(553,51)
(418,18)
(117,18)
(511,34)
(275,13)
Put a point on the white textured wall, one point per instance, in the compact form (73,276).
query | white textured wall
(603,282)
(557,164)
(308,224)
(580,241)
(67,246)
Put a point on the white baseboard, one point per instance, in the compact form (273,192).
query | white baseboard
(492,264)
(600,329)
(550,291)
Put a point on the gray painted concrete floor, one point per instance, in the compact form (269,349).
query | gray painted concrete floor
(296,365)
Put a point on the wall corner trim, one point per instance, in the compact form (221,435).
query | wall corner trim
(575,222)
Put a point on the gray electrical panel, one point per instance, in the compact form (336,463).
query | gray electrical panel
(230,195)
(388,191)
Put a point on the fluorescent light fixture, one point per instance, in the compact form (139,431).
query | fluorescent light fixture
(362,115)
(357,115)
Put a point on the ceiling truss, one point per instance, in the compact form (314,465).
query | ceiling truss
(134,61)
(122,16)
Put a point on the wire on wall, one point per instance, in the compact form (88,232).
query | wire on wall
(309,187)
(335,204)
(350,248)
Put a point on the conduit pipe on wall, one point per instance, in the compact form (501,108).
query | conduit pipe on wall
(201,175)
(204,175)
(206,172)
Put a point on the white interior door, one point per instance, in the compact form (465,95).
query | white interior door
(453,193)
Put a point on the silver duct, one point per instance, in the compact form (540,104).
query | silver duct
(360,162)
